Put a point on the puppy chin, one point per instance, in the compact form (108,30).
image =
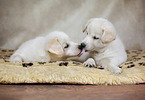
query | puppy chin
(71,55)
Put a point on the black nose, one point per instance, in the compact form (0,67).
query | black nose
(83,45)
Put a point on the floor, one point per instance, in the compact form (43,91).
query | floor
(71,92)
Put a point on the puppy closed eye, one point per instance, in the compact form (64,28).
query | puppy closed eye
(67,45)
(96,38)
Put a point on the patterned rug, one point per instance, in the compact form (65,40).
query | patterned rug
(71,72)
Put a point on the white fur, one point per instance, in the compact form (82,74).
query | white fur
(108,51)
(46,48)
(90,62)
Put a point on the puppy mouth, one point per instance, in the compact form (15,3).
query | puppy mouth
(82,51)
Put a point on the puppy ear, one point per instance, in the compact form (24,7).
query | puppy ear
(85,26)
(53,46)
(108,35)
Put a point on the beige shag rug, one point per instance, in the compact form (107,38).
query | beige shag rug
(71,72)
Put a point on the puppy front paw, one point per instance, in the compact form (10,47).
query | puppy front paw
(89,63)
(16,60)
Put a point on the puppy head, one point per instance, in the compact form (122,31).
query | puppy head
(99,32)
(59,43)
(71,49)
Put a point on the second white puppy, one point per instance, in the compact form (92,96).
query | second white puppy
(55,46)
(103,45)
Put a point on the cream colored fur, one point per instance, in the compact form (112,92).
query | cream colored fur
(55,46)
(103,44)
(71,74)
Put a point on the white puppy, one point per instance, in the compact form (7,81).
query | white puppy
(55,46)
(102,44)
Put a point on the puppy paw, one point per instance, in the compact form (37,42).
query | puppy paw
(16,60)
(116,70)
(89,63)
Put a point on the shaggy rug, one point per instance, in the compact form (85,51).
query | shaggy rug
(72,72)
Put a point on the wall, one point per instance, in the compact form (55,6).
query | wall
(21,20)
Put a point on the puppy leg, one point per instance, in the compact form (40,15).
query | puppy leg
(89,63)
(16,59)
(108,64)
(114,69)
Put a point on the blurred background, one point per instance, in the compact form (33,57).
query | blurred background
(21,20)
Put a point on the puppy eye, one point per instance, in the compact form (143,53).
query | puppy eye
(95,38)
(67,45)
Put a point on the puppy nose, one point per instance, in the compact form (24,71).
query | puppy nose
(83,45)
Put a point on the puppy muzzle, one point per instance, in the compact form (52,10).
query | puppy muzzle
(82,46)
